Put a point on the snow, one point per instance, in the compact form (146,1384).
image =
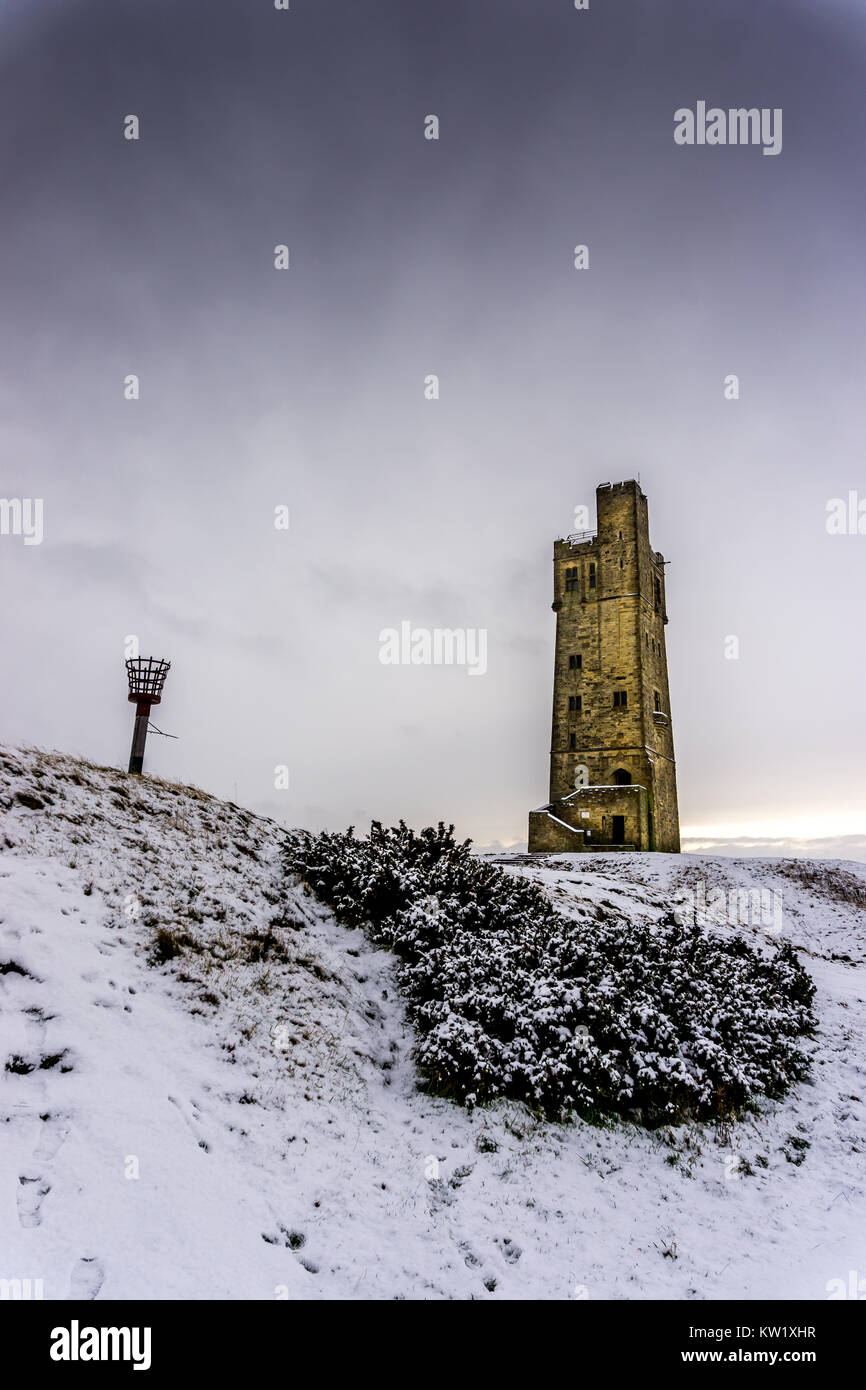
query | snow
(216,1127)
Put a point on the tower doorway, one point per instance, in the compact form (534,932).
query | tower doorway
(618,832)
(622,778)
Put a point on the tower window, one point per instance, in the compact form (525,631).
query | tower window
(572,740)
(620,699)
(592,576)
(575,662)
(571,579)
(658,701)
(620,535)
(575,702)
(658,594)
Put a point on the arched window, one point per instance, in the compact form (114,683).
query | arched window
(622,778)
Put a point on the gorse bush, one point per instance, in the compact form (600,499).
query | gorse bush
(604,1016)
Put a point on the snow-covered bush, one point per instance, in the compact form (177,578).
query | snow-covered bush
(602,1016)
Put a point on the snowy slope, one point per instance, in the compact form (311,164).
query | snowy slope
(210,1125)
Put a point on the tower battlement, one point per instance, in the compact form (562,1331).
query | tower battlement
(612,768)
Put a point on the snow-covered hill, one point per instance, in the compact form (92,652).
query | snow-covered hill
(207,1089)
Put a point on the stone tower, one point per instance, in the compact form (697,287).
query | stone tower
(612,771)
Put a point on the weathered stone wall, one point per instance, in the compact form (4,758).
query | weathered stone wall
(665,811)
(593,809)
(590,812)
(547,832)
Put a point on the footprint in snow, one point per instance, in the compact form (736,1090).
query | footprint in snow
(35,1028)
(31,1194)
(54,1133)
(87,1278)
(191,1123)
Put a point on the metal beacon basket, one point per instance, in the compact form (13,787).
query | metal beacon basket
(146,676)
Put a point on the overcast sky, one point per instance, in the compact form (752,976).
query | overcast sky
(305,387)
